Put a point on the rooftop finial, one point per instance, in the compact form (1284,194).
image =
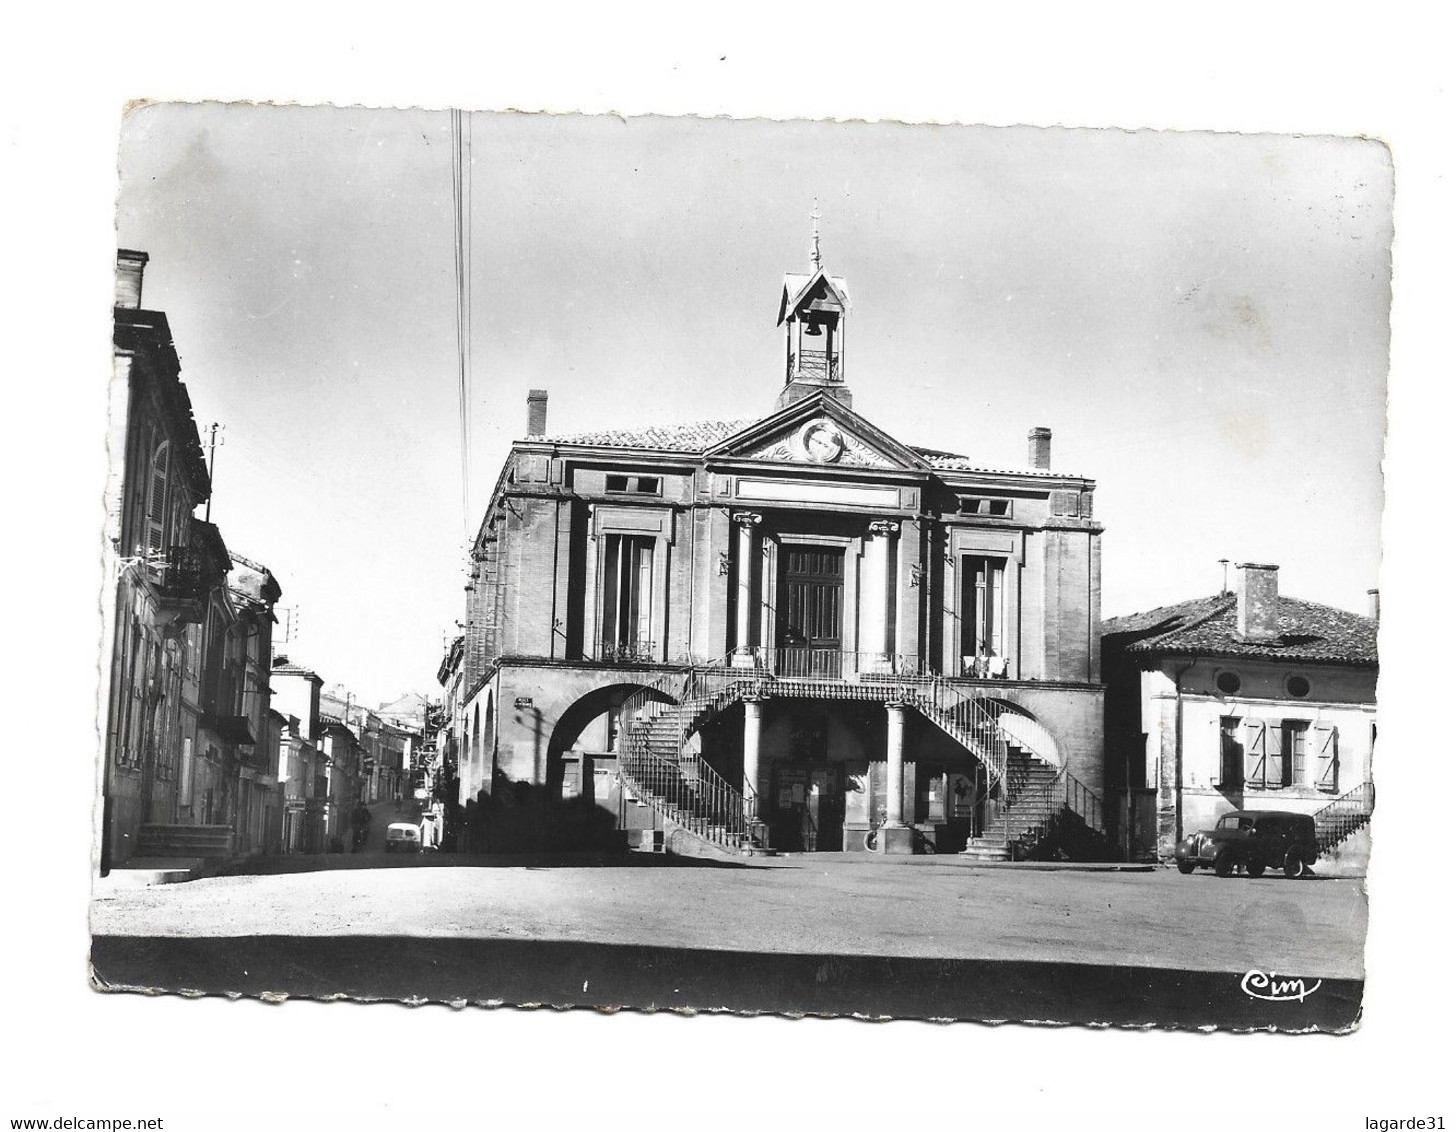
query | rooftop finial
(814,247)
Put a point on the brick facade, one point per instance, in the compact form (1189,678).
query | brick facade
(690,534)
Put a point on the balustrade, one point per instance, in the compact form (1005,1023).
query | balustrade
(657,721)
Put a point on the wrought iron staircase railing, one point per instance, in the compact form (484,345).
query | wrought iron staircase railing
(1035,810)
(1344,816)
(657,766)
(660,769)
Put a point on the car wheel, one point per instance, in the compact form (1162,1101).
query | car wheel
(1294,865)
(1255,868)
(1223,864)
(1186,867)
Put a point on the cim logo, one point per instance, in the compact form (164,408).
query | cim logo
(1274,988)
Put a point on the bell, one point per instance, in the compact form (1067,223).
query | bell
(814,330)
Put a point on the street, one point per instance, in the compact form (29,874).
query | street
(926,907)
(381,814)
(513,929)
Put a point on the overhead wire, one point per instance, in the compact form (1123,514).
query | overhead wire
(461,193)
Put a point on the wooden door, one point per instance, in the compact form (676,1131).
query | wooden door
(811,611)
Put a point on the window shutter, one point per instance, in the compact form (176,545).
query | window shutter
(1326,757)
(157,500)
(1256,752)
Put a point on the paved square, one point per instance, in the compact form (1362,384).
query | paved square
(827,904)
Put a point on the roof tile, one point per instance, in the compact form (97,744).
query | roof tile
(699,436)
(1308,631)
(696,436)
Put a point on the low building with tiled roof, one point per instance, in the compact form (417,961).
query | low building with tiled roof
(796,582)
(1306,631)
(1248,700)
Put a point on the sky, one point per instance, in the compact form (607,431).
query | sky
(1200,318)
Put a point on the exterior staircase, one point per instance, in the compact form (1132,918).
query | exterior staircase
(660,768)
(1048,811)
(1344,816)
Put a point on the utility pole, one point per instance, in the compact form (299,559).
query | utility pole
(213,444)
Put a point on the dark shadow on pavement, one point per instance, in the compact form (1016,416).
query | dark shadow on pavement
(328,862)
(601,976)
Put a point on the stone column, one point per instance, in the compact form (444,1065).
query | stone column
(746,565)
(895,836)
(874,597)
(752,733)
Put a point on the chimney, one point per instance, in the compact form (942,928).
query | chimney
(1039,448)
(129,268)
(1258,602)
(536,412)
(1374,596)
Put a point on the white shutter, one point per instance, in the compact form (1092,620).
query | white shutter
(1326,757)
(1256,752)
(157,499)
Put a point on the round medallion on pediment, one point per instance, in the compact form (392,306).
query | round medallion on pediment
(821,441)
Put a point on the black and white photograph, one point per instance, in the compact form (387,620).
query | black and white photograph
(789,567)
(664,584)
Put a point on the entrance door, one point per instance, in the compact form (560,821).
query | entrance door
(824,810)
(808,808)
(811,612)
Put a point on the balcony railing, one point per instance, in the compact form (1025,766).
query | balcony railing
(805,663)
(627,652)
(816,366)
(181,577)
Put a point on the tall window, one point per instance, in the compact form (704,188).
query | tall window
(1231,752)
(983,606)
(157,499)
(1271,767)
(627,598)
(1294,733)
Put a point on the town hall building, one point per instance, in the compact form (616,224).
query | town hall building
(787,633)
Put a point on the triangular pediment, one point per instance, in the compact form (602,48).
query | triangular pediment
(819,430)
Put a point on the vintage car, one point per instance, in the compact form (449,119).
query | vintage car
(1254,840)
(403,836)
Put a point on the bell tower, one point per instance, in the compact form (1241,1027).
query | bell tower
(813,309)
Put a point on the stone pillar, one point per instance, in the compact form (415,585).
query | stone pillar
(874,598)
(752,733)
(895,836)
(746,569)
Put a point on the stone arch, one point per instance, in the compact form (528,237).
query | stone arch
(472,741)
(1021,725)
(583,811)
(590,708)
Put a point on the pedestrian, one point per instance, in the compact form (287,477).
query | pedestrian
(396,798)
(361,818)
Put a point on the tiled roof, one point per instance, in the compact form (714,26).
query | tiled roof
(950,462)
(697,436)
(1208,626)
(296,669)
